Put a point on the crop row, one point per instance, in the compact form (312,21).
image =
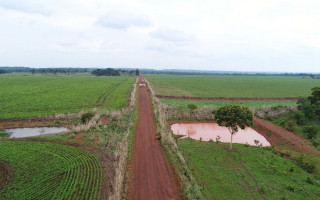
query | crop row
(27,96)
(50,171)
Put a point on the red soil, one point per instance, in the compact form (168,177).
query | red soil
(78,138)
(28,123)
(105,120)
(283,139)
(152,177)
(229,98)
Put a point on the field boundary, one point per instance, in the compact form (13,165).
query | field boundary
(228,98)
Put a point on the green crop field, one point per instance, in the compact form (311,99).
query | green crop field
(232,86)
(229,175)
(50,171)
(255,104)
(27,96)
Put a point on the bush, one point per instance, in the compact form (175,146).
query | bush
(192,106)
(291,125)
(86,117)
(306,107)
(311,131)
(306,164)
(300,118)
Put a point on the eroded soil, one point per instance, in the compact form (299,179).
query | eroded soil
(283,139)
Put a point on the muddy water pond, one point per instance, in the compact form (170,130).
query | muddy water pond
(212,131)
(29,132)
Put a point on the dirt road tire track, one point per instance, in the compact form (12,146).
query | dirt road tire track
(151,178)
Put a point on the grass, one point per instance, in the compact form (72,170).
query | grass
(233,175)
(232,86)
(29,96)
(255,104)
(4,135)
(50,171)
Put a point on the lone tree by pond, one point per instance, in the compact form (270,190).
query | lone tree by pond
(233,117)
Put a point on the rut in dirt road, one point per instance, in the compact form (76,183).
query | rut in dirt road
(152,179)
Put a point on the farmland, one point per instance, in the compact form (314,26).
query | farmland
(231,86)
(255,104)
(28,96)
(247,173)
(40,170)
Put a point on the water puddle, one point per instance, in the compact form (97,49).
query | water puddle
(212,131)
(28,132)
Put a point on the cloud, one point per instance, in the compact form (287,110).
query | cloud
(123,21)
(24,6)
(171,35)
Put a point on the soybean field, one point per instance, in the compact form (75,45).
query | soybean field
(232,85)
(29,96)
(42,170)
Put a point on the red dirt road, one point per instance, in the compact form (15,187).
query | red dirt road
(278,135)
(152,178)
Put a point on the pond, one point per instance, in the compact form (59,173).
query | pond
(29,132)
(212,131)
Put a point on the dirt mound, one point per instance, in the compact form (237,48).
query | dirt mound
(283,139)
(229,98)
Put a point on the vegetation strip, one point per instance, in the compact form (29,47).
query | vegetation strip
(229,98)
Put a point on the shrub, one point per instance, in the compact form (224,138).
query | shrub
(86,117)
(306,164)
(311,131)
(300,118)
(291,125)
(310,181)
(192,106)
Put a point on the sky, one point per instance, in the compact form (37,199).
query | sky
(225,35)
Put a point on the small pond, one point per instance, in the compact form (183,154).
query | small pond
(29,132)
(212,131)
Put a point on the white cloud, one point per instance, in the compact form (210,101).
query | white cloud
(25,6)
(277,35)
(123,21)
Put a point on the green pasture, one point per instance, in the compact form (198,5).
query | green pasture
(232,86)
(42,170)
(255,104)
(27,96)
(248,172)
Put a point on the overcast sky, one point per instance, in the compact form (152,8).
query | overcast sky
(241,35)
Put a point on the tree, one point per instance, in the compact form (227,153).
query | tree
(315,99)
(305,106)
(233,117)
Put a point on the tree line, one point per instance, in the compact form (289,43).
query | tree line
(115,72)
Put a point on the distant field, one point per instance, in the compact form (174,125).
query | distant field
(232,175)
(49,171)
(256,104)
(27,96)
(232,86)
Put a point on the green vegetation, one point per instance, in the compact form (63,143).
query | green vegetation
(4,134)
(231,86)
(256,104)
(50,171)
(27,96)
(224,174)
(298,123)
(234,117)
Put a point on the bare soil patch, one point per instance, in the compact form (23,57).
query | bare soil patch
(105,120)
(283,139)
(34,122)
(229,98)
